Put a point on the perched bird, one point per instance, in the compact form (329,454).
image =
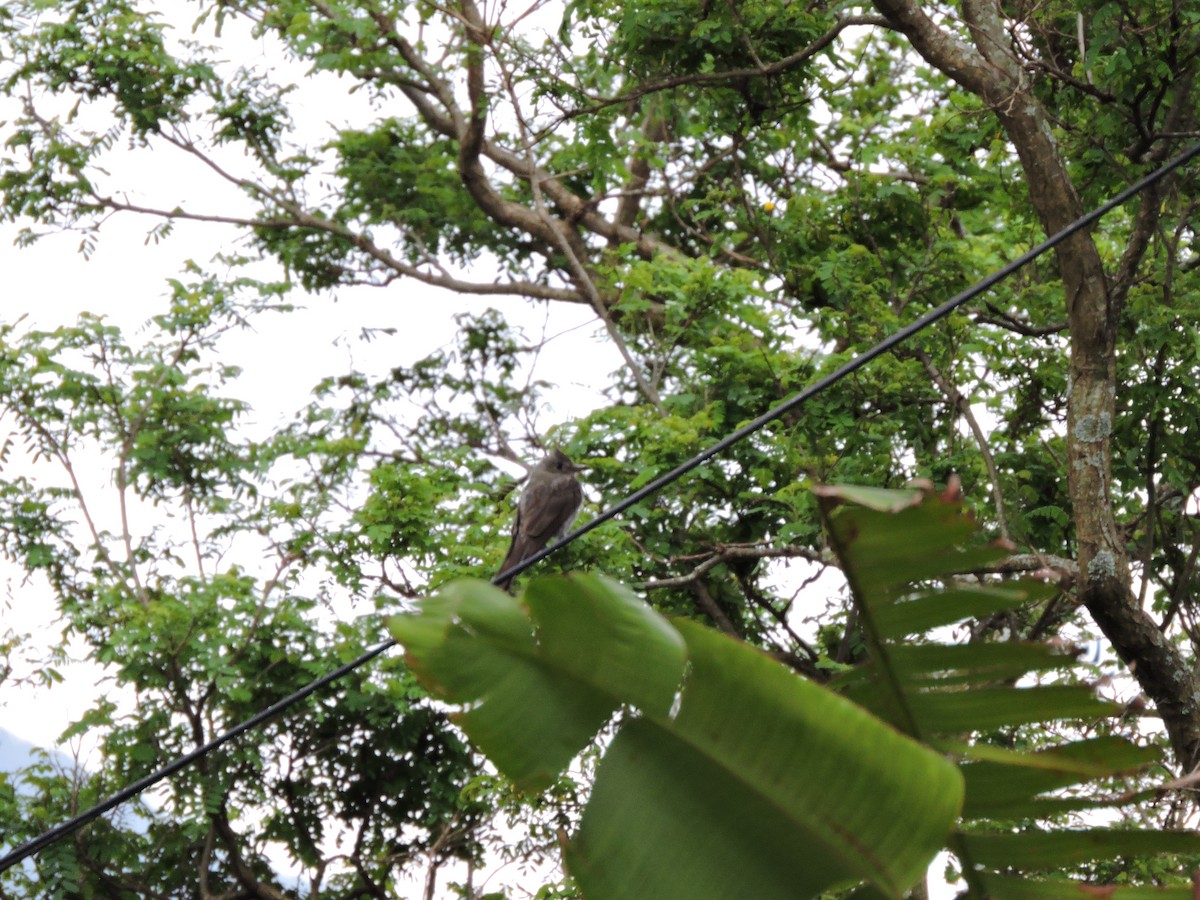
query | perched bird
(546,510)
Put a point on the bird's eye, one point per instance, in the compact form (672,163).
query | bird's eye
(558,466)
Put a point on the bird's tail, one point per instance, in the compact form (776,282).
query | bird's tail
(520,550)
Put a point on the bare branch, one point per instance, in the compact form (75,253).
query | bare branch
(736,551)
(231,840)
(302,219)
(1009,322)
(639,171)
(960,403)
(1144,224)
(1057,567)
(712,609)
(570,245)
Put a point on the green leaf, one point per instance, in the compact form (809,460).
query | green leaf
(930,689)
(1001,783)
(740,776)
(944,665)
(886,546)
(933,610)
(945,712)
(1038,850)
(536,699)
(600,634)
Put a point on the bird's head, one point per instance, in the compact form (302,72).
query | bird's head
(558,463)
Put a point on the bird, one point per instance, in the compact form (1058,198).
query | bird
(547,509)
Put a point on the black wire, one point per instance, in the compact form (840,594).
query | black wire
(42,841)
(60,831)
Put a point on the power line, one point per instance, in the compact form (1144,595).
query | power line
(44,840)
(60,831)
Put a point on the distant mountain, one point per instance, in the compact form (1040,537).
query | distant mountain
(15,753)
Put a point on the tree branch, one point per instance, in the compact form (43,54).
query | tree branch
(790,61)
(953,56)
(960,403)
(302,219)
(243,872)
(628,207)
(712,609)
(567,240)
(729,552)
(1009,322)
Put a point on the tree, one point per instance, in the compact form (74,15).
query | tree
(199,641)
(745,195)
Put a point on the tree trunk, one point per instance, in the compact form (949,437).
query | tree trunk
(989,68)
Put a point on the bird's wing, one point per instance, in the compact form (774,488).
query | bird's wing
(544,510)
(547,507)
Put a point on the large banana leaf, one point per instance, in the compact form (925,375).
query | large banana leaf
(899,549)
(532,697)
(729,774)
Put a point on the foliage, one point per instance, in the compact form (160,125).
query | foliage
(746,195)
(741,774)
(950,695)
(202,641)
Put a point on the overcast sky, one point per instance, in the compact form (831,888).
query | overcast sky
(50,283)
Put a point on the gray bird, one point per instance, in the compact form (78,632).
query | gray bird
(546,510)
